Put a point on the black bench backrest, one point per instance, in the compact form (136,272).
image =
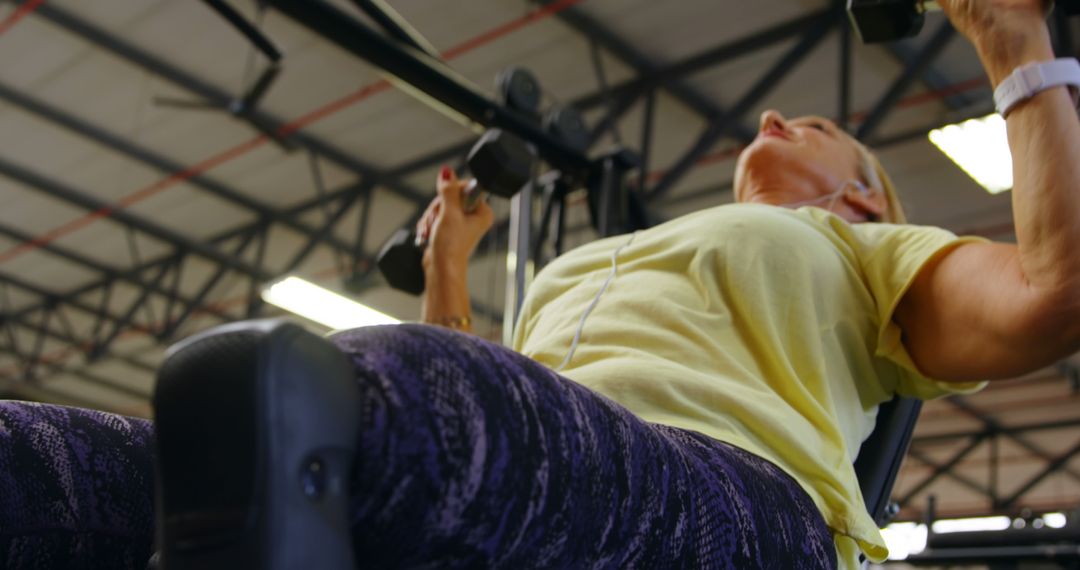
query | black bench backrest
(880,456)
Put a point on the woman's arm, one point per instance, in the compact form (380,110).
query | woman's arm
(986,311)
(451,235)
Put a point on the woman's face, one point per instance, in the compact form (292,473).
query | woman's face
(793,161)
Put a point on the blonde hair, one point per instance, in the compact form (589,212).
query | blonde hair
(874,175)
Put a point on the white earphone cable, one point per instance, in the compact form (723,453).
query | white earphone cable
(595,301)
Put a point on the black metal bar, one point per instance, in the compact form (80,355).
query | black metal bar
(22,318)
(997,557)
(720,125)
(173,293)
(590,27)
(96,205)
(152,159)
(610,121)
(197,301)
(942,469)
(965,481)
(843,113)
(933,48)
(428,75)
(136,260)
(903,53)
(245,232)
(101,314)
(40,334)
(358,262)
(131,276)
(255,94)
(328,226)
(64,321)
(329,218)
(605,90)
(648,120)
(1057,464)
(651,79)
(220,97)
(995,464)
(260,41)
(101,347)
(560,225)
(254,300)
(995,426)
(1010,430)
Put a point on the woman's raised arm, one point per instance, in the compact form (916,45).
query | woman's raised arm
(987,311)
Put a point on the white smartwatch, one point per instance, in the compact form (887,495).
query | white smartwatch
(1027,80)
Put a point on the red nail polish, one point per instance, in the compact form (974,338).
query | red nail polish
(445,173)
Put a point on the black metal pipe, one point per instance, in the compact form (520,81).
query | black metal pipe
(260,41)
(933,48)
(218,96)
(428,75)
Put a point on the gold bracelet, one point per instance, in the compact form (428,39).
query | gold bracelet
(459,323)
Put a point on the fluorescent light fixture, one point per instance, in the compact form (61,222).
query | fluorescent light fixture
(980,147)
(971,525)
(1055,520)
(322,305)
(904,539)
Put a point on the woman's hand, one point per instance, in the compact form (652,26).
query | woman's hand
(1006,33)
(451,233)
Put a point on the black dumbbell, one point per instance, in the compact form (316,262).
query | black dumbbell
(878,21)
(501,163)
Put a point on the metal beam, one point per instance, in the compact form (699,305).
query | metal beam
(219,96)
(23,319)
(919,64)
(650,78)
(244,232)
(905,55)
(622,49)
(1056,464)
(658,77)
(965,481)
(996,427)
(131,276)
(157,161)
(1010,430)
(843,113)
(720,125)
(441,87)
(942,469)
(102,208)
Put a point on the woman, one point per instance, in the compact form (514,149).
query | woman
(778,331)
(720,370)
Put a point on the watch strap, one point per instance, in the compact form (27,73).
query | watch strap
(1027,80)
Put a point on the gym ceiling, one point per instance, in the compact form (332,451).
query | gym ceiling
(141,199)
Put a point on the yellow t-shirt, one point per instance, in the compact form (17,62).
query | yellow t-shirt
(768,328)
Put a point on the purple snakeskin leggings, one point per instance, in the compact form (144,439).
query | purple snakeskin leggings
(471,456)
